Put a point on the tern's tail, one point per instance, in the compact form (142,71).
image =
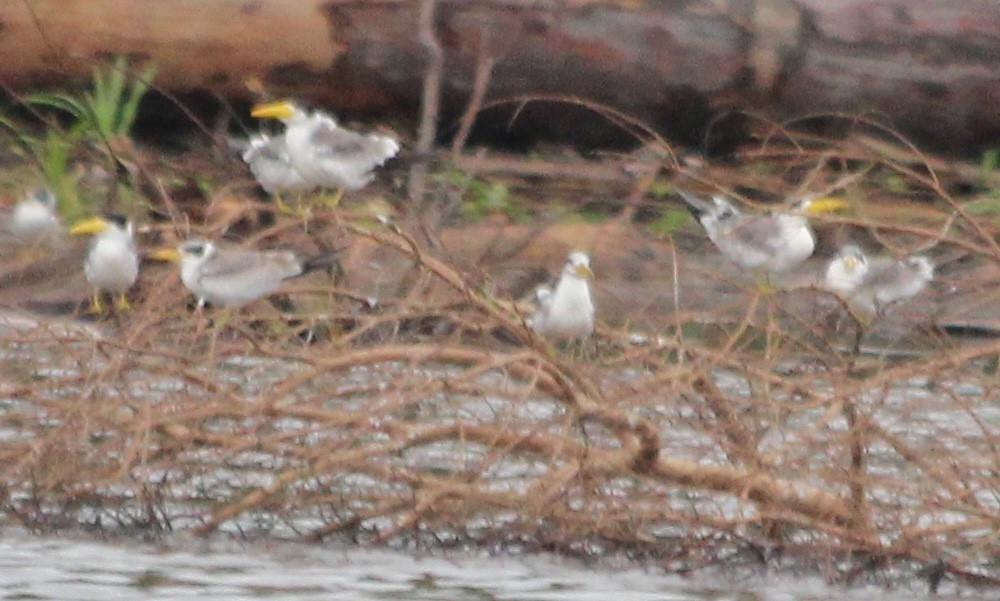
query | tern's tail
(697,206)
(328,262)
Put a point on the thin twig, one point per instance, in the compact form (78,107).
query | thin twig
(480,85)
(430,98)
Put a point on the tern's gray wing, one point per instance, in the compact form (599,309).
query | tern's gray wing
(241,276)
(882,270)
(342,144)
(765,232)
(235,264)
(272,149)
(890,279)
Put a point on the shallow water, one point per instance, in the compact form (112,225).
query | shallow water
(66,569)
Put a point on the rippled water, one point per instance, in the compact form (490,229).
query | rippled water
(63,569)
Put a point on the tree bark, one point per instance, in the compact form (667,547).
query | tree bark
(932,66)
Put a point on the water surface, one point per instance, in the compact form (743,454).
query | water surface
(67,569)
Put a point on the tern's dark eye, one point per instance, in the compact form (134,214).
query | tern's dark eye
(45,197)
(193,248)
(119,220)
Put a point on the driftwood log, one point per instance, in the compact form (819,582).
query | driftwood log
(931,66)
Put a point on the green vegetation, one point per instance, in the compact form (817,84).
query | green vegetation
(990,165)
(53,151)
(990,161)
(109,109)
(988,204)
(986,207)
(661,189)
(481,198)
(669,222)
(103,116)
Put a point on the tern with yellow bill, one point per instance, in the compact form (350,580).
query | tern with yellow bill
(771,243)
(232,277)
(112,263)
(871,285)
(566,312)
(324,154)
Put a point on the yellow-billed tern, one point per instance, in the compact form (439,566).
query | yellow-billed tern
(871,285)
(566,312)
(773,242)
(231,277)
(112,262)
(324,154)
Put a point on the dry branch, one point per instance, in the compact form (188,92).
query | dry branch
(433,411)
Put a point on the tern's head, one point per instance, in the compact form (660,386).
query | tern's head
(847,270)
(196,249)
(110,223)
(44,197)
(578,264)
(284,110)
(853,259)
(193,249)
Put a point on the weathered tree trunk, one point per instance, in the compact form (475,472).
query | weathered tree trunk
(933,66)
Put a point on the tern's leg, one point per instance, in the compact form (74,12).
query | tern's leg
(332,202)
(96,306)
(764,284)
(121,303)
(577,349)
(224,317)
(283,208)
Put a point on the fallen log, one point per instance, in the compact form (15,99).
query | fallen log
(928,66)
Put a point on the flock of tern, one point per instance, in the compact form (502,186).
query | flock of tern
(777,242)
(314,152)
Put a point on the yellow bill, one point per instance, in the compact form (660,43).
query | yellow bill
(166,254)
(280,109)
(93,225)
(583,270)
(826,204)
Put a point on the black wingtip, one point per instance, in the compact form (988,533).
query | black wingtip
(694,205)
(328,262)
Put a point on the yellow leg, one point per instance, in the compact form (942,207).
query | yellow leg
(764,284)
(287,209)
(300,209)
(334,201)
(282,207)
(96,306)
(121,303)
(224,317)
(575,349)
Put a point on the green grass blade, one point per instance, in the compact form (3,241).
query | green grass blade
(116,92)
(140,85)
(61,102)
